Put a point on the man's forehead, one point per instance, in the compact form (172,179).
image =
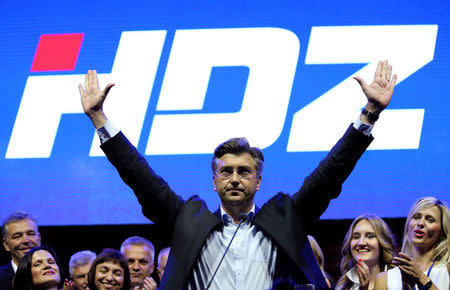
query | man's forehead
(138,250)
(82,268)
(235,160)
(22,225)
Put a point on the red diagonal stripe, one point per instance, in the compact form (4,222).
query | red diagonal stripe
(57,52)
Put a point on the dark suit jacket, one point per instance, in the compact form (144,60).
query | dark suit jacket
(284,218)
(6,276)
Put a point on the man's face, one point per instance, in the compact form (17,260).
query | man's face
(235,179)
(140,263)
(162,264)
(22,236)
(80,275)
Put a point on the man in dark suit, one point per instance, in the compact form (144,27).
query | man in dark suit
(271,244)
(20,234)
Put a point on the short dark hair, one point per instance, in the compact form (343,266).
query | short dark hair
(238,146)
(110,255)
(23,279)
(15,217)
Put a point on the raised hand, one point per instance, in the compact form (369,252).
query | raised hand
(92,98)
(379,92)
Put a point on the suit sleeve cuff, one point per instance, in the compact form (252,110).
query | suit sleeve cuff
(364,128)
(107,132)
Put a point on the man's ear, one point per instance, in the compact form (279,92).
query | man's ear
(214,182)
(153,267)
(5,244)
(258,183)
(39,234)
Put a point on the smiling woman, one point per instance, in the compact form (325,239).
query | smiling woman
(367,249)
(39,269)
(109,271)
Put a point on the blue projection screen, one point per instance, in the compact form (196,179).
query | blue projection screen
(191,74)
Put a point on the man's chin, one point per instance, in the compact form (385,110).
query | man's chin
(133,285)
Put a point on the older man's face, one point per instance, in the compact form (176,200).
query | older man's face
(80,275)
(140,263)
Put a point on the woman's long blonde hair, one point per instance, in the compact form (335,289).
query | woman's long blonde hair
(385,239)
(441,251)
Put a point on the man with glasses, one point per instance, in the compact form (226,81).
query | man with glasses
(271,244)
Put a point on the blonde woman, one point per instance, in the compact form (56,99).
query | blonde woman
(423,262)
(367,249)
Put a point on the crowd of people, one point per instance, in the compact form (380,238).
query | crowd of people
(371,257)
(36,266)
(240,245)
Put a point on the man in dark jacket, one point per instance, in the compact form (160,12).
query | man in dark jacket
(271,244)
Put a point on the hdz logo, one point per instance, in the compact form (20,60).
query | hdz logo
(271,56)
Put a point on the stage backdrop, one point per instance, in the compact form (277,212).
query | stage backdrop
(191,74)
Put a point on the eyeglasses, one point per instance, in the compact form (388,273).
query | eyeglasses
(242,172)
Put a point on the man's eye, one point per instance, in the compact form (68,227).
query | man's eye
(244,171)
(226,171)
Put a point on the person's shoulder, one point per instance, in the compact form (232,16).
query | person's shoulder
(6,268)
(381,280)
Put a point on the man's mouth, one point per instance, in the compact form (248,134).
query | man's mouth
(235,189)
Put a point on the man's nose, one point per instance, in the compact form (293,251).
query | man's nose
(25,239)
(135,266)
(235,177)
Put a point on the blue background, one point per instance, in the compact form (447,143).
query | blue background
(72,188)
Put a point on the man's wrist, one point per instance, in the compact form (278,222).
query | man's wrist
(98,118)
(371,116)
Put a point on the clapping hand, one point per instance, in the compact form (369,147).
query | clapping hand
(410,268)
